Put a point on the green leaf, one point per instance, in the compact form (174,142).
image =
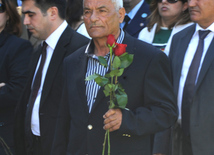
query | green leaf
(126,60)
(108,75)
(101,81)
(107,89)
(120,72)
(92,77)
(116,72)
(112,105)
(122,100)
(102,61)
(116,62)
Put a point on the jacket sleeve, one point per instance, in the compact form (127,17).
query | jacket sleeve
(18,59)
(159,109)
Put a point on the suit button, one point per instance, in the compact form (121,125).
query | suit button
(1,123)
(90,127)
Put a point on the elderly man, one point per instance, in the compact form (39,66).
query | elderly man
(151,104)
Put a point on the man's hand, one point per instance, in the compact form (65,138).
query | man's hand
(113,119)
(2,84)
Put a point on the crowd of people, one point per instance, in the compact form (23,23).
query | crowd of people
(50,47)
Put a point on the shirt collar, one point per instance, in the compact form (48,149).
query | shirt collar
(198,27)
(90,47)
(133,12)
(54,37)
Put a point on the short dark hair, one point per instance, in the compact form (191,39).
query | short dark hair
(13,25)
(44,5)
(74,11)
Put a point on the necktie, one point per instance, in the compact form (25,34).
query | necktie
(35,88)
(190,83)
(126,20)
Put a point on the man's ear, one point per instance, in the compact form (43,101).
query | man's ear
(53,12)
(122,13)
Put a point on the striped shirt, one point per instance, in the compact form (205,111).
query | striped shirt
(94,67)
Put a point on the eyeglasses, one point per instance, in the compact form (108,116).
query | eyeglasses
(169,1)
(2,8)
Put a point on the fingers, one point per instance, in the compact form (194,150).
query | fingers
(112,119)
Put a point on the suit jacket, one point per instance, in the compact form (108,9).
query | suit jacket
(150,100)
(202,107)
(51,94)
(139,21)
(15,54)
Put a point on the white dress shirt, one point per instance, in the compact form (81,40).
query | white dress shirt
(189,57)
(52,42)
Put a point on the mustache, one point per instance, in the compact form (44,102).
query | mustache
(193,9)
(93,24)
(29,27)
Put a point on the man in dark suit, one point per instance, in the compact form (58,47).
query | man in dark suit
(38,106)
(192,62)
(151,104)
(135,20)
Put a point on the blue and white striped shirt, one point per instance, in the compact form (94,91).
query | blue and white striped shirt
(94,67)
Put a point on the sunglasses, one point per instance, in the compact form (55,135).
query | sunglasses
(169,1)
(2,8)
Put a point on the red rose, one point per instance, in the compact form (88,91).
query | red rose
(120,49)
(111,40)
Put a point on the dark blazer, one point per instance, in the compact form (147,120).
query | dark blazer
(150,100)
(15,54)
(51,94)
(139,21)
(202,107)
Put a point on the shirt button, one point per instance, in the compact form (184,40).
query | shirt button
(90,127)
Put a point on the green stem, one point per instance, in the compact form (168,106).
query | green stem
(108,142)
(111,92)
(104,143)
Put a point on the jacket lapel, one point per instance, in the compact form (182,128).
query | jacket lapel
(56,60)
(139,21)
(179,57)
(81,68)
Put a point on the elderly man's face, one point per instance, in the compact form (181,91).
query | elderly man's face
(101,18)
(202,12)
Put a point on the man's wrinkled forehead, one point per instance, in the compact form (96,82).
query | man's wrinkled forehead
(97,4)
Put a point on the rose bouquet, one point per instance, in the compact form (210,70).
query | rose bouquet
(119,60)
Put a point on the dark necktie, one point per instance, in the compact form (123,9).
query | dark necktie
(190,83)
(35,88)
(126,20)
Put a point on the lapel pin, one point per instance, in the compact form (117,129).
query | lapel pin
(141,24)
(144,15)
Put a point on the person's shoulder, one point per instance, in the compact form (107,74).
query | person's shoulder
(185,31)
(74,34)
(141,46)
(17,39)
(76,54)
(143,51)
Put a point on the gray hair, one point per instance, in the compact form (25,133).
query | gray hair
(117,4)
